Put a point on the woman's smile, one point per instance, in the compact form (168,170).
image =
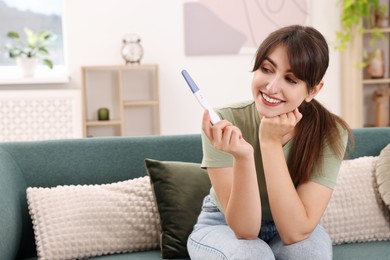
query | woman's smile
(270,101)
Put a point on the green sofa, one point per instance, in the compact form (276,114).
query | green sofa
(87,161)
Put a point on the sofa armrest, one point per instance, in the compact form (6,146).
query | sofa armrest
(12,195)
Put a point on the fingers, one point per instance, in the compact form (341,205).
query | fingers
(277,127)
(294,116)
(236,136)
(230,138)
(206,123)
(213,132)
(289,119)
(221,135)
(298,115)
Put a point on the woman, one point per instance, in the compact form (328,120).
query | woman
(272,162)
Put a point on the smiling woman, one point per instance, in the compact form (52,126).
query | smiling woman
(272,161)
(42,15)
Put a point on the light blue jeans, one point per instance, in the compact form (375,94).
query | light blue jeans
(213,239)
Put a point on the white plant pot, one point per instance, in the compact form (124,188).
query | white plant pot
(27,66)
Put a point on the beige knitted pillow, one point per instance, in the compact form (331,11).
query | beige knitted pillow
(383,175)
(356,212)
(72,222)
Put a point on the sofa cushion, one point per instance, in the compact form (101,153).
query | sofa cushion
(179,189)
(72,222)
(355,212)
(383,175)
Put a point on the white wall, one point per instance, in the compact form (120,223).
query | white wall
(94,31)
(325,17)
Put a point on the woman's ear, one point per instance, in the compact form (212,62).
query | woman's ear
(314,91)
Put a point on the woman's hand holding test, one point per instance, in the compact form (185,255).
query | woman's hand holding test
(236,186)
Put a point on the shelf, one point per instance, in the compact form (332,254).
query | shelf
(383,30)
(140,103)
(376,81)
(138,66)
(119,67)
(103,123)
(361,105)
(129,92)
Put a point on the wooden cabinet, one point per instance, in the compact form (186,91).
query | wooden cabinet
(131,95)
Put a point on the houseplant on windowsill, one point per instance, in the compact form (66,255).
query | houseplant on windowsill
(28,52)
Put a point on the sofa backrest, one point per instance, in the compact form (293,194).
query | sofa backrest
(369,141)
(96,161)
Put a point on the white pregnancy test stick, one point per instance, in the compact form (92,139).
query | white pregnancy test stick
(202,100)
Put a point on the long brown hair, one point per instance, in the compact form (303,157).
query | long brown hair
(308,55)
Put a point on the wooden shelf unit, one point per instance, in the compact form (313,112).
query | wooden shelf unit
(131,94)
(357,89)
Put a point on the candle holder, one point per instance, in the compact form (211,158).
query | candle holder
(103,114)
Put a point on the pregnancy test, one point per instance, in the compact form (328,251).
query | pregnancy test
(201,99)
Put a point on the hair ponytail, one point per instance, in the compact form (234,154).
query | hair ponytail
(318,128)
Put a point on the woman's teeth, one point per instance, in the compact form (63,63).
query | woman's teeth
(271,100)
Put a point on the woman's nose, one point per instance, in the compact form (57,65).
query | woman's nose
(273,85)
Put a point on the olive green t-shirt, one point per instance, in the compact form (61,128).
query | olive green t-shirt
(244,115)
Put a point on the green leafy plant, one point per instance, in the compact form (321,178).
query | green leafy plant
(354,12)
(35,46)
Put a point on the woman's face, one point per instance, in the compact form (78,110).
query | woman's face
(275,88)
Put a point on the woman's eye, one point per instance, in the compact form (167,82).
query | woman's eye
(265,70)
(290,80)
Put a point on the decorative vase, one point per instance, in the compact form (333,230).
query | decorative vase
(27,66)
(381,99)
(376,19)
(376,64)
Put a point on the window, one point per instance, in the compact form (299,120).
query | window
(37,15)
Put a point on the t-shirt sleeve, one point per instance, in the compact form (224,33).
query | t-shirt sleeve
(327,176)
(213,157)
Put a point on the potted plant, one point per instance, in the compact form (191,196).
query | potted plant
(27,52)
(354,13)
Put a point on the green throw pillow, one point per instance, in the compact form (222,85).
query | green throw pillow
(383,175)
(179,189)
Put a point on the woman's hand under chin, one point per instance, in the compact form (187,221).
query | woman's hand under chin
(276,128)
